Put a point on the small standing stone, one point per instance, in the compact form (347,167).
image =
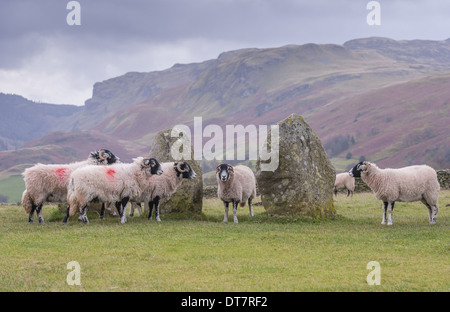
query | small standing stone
(189,196)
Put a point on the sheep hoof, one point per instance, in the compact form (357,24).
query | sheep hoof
(41,221)
(158,219)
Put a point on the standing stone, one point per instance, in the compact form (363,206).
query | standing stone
(189,196)
(303,182)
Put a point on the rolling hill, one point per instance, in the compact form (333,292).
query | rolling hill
(378,98)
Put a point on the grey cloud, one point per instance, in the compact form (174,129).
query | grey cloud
(117,35)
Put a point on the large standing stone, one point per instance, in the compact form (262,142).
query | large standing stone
(189,196)
(303,182)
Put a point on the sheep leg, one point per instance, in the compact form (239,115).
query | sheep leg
(225,218)
(123,217)
(132,210)
(39,214)
(122,212)
(150,210)
(435,210)
(157,201)
(385,204)
(102,212)
(83,214)
(432,211)
(66,218)
(391,209)
(250,207)
(31,215)
(235,206)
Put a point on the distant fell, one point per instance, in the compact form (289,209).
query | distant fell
(378,99)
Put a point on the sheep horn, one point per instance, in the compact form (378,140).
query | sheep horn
(231,167)
(101,154)
(146,162)
(365,166)
(181,170)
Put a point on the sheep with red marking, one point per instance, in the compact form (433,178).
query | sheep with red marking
(48,183)
(113,184)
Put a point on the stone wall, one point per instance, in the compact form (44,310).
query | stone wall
(444,178)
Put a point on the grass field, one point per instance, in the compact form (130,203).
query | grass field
(204,254)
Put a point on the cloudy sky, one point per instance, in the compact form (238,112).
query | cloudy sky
(45,59)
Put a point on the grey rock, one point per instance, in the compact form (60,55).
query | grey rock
(302,185)
(189,196)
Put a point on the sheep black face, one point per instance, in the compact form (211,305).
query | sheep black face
(360,167)
(224,172)
(183,169)
(153,165)
(105,157)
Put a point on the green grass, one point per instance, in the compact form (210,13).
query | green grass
(13,187)
(204,254)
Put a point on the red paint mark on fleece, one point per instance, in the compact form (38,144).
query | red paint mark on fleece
(110,173)
(61,173)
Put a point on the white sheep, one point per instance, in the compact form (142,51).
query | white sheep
(406,184)
(344,182)
(113,184)
(48,183)
(236,185)
(163,186)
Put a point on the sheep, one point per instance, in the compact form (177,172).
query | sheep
(236,185)
(113,184)
(48,183)
(344,181)
(406,184)
(163,186)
